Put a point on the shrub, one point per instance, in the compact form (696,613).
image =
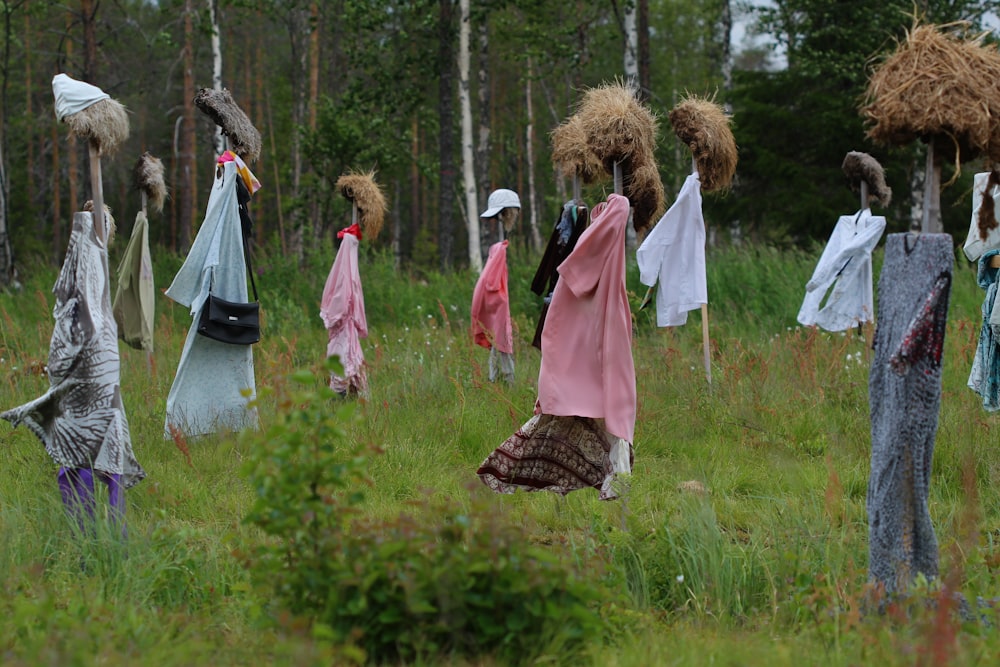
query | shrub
(438,580)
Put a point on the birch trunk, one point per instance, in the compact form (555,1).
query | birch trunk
(213,17)
(536,238)
(468,162)
(483,143)
(631,64)
(187,152)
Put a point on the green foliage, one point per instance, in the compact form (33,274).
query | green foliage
(442,581)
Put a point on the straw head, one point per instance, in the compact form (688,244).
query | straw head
(703,126)
(571,153)
(147,175)
(103,123)
(362,189)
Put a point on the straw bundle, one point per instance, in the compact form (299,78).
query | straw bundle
(571,153)
(147,175)
(860,167)
(703,126)
(365,192)
(937,84)
(109,220)
(104,124)
(620,130)
(224,112)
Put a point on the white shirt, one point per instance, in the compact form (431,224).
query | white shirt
(674,253)
(845,270)
(975,245)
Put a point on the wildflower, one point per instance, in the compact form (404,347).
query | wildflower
(680,578)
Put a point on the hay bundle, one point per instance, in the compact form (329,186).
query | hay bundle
(147,175)
(940,85)
(571,153)
(862,167)
(620,130)
(224,112)
(365,192)
(104,124)
(703,126)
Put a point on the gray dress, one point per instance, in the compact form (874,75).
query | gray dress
(905,395)
(214,380)
(81,419)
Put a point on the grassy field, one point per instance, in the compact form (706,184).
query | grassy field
(768,567)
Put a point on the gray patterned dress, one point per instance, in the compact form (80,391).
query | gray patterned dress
(905,395)
(81,419)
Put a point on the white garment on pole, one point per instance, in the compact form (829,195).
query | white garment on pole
(73,96)
(976,245)
(843,276)
(674,253)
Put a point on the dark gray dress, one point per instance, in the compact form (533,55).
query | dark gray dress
(905,394)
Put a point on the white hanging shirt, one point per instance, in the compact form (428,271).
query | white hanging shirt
(844,275)
(976,245)
(674,253)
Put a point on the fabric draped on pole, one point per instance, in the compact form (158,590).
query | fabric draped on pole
(342,309)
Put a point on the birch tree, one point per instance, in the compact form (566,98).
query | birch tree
(468,162)
(213,18)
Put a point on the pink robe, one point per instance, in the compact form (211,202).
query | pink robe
(491,326)
(587,368)
(343,312)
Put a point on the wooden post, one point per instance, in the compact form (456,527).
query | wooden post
(864,195)
(97,194)
(354,212)
(576,185)
(619,188)
(705,342)
(145,201)
(930,221)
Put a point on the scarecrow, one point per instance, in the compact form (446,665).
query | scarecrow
(81,419)
(983,247)
(839,294)
(673,253)
(133,304)
(491,324)
(574,159)
(215,379)
(581,433)
(930,88)
(342,307)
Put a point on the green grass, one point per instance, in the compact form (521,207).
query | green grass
(769,567)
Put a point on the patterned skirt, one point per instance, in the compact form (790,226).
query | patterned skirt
(558,454)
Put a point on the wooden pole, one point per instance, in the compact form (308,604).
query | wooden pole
(354,212)
(705,341)
(97,194)
(576,184)
(619,188)
(864,195)
(145,200)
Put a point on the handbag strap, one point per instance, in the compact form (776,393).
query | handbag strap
(246,227)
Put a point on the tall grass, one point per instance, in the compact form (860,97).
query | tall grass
(769,564)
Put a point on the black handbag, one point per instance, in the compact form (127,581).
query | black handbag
(228,321)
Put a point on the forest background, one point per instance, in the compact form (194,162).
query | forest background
(362,84)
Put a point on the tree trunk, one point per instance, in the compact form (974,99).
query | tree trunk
(631,64)
(314,59)
(415,189)
(483,144)
(645,75)
(88,11)
(446,138)
(187,153)
(213,17)
(529,140)
(726,25)
(298,34)
(468,165)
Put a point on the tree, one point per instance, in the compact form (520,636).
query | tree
(468,150)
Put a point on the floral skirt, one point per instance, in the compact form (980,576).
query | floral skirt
(558,454)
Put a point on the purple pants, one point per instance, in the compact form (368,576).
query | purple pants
(76,486)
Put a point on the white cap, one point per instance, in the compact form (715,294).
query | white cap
(73,96)
(498,201)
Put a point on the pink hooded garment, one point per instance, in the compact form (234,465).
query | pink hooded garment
(587,368)
(491,326)
(343,312)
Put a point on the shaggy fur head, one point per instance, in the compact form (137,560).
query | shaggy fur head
(103,123)
(224,112)
(148,177)
(860,167)
(362,189)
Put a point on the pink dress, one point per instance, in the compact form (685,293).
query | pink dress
(582,430)
(491,325)
(343,312)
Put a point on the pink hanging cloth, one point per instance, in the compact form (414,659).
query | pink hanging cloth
(343,312)
(491,325)
(587,368)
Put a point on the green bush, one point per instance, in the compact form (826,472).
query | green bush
(436,581)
